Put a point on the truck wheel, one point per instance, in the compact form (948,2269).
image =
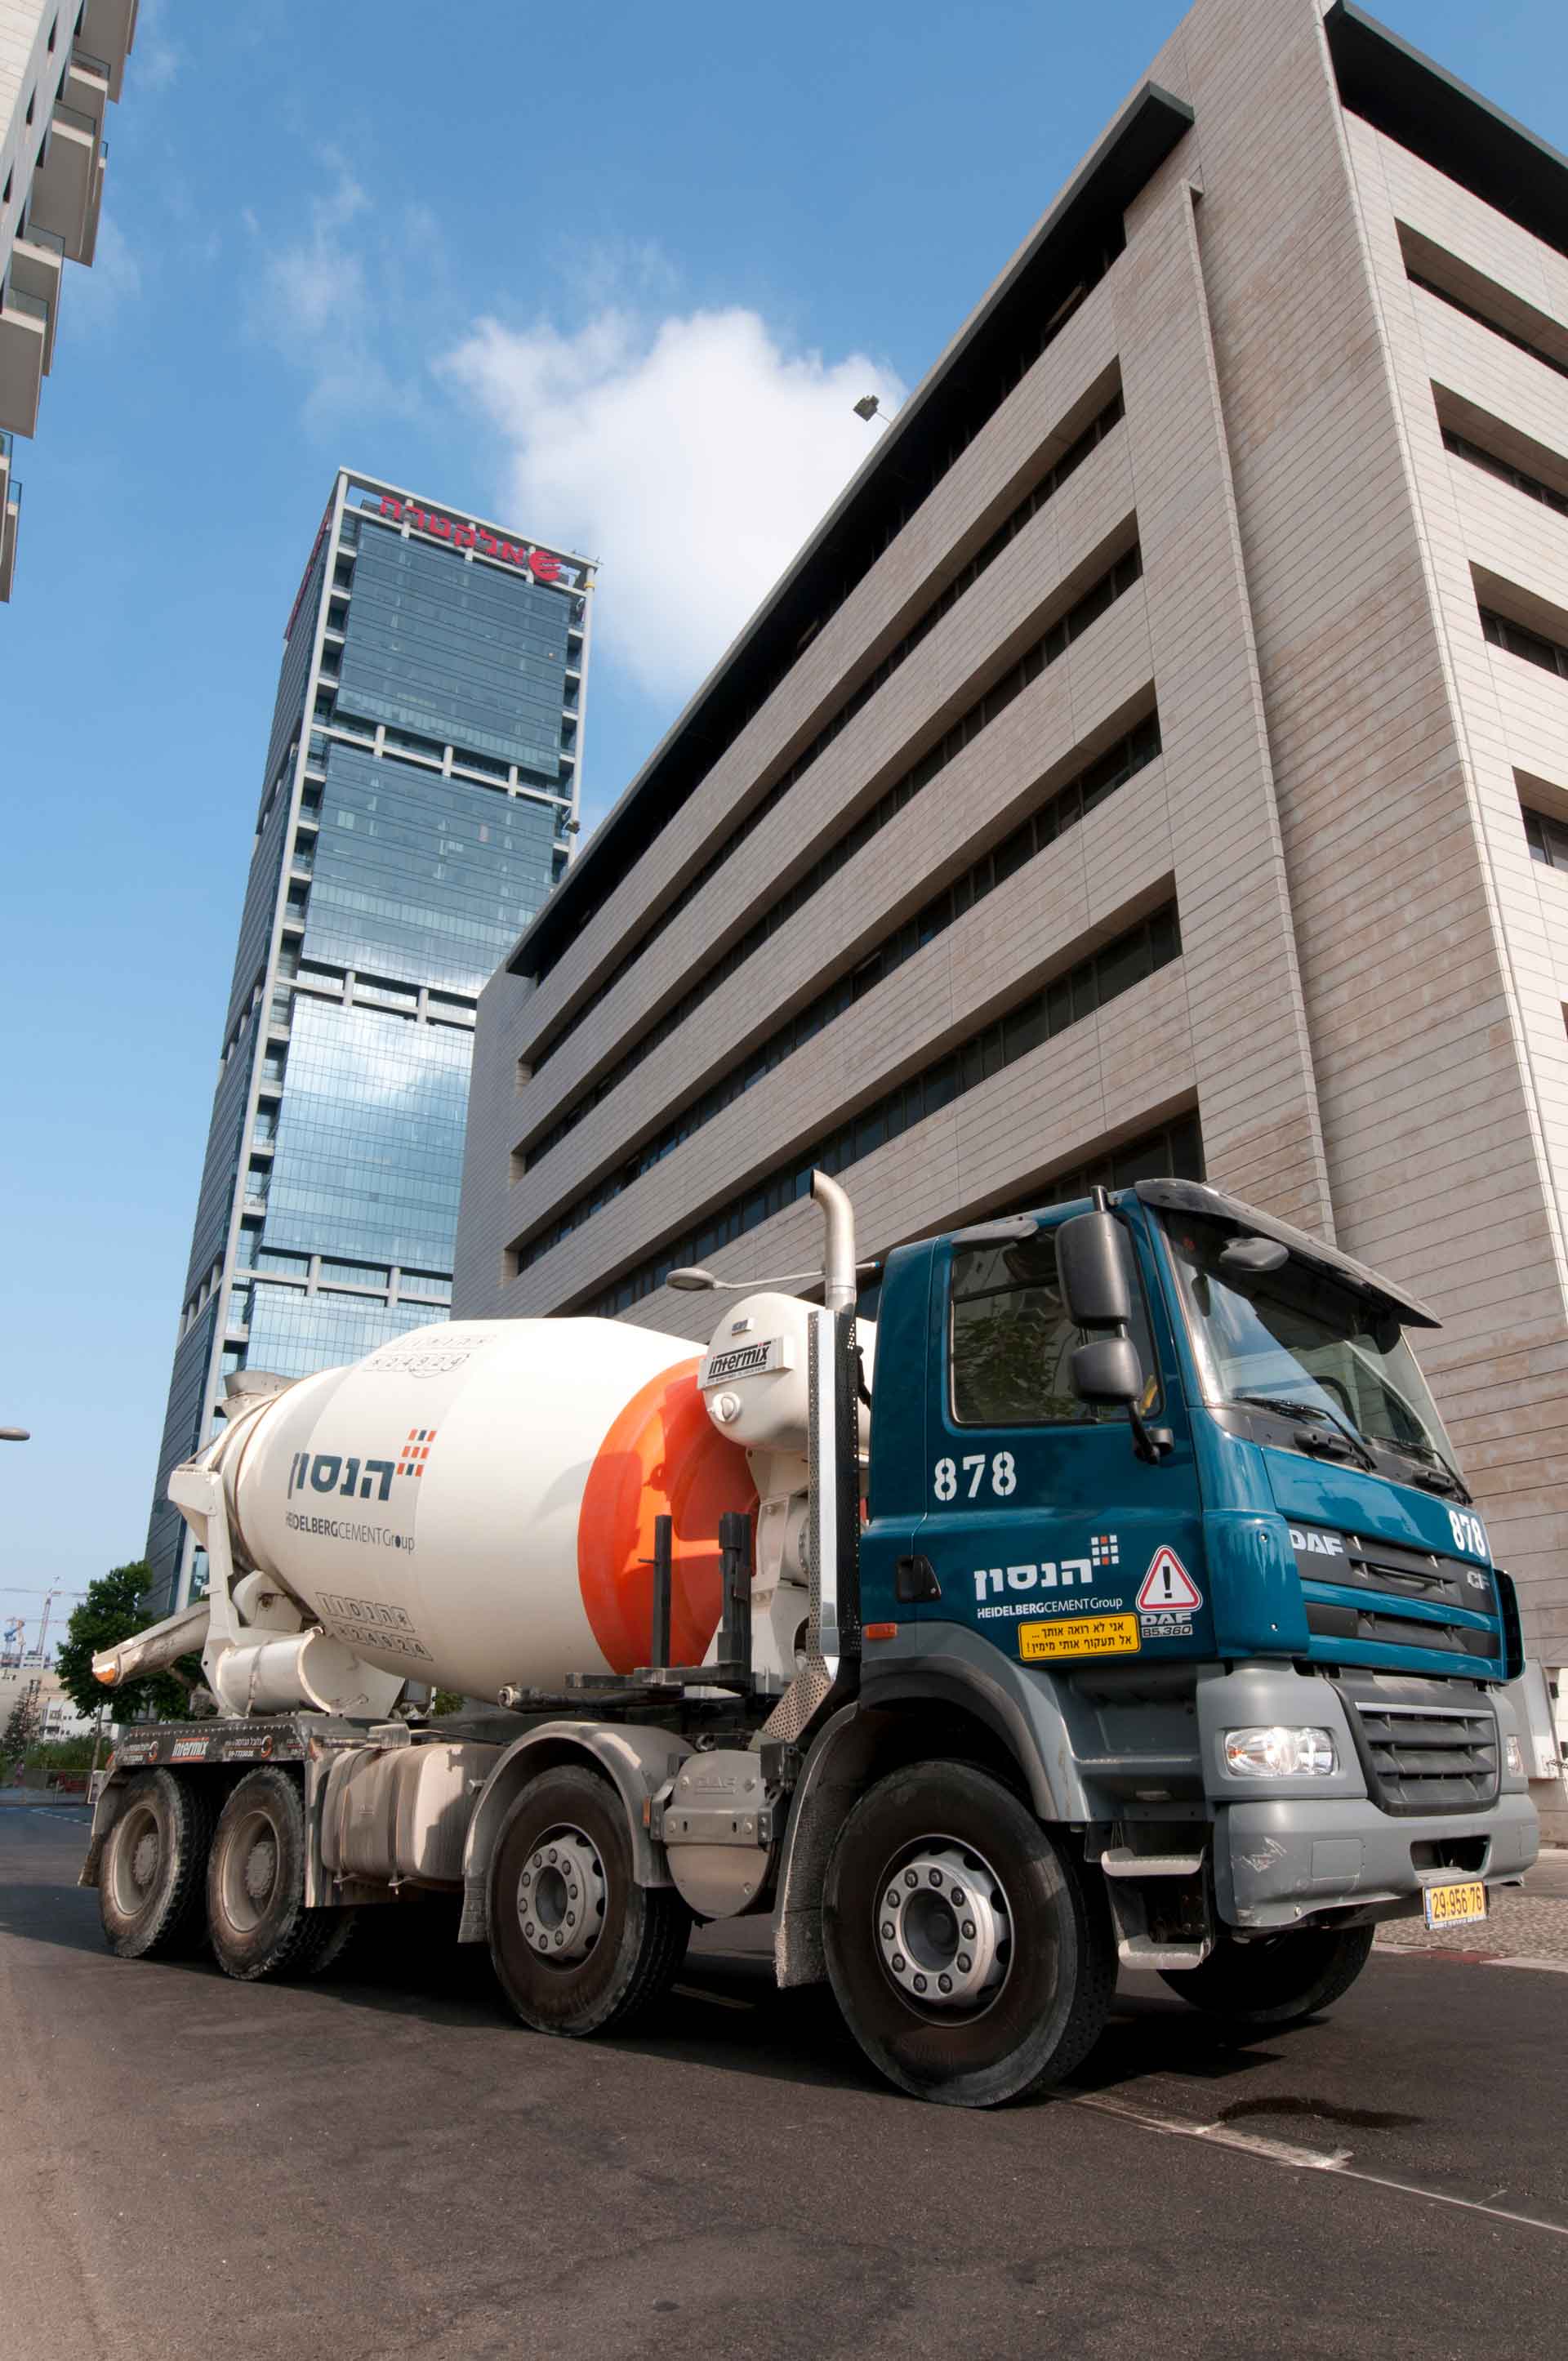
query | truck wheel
(255,1883)
(973,1963)
(578,1944)
(150,1887)
(1276,1981)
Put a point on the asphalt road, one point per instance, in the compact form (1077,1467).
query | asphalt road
(385,2162)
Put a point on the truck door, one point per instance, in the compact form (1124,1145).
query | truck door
(1049,1533)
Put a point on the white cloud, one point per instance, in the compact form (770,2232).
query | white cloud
(322,299)
(691,457)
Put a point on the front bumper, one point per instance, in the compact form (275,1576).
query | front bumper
(1277,1864)
(1291,1851)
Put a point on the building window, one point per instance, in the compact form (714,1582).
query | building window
(1509,336)
(1520,642)
(1061,812)
(1547,840)
(1463,448)
(1070,996)
(1112,585)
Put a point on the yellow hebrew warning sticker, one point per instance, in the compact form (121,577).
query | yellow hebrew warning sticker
(1085,1635)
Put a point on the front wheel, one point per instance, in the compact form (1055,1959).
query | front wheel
(578,1944)
(973,1963)
(1277,1981)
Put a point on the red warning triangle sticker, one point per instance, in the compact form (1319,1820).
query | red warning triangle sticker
(1168,1584)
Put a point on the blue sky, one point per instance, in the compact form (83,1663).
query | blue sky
(611,273)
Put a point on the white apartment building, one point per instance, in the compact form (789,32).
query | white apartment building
(60,63)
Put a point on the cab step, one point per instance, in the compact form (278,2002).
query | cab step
(1148,1951)
(1121,1861)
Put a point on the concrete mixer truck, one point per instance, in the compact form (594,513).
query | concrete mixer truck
(1113,1599)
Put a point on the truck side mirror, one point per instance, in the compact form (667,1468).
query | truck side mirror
(1107,1371)
(1092,1274)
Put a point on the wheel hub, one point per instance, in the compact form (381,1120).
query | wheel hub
(260,1869)
(144,1860)
(560,1897)
(943,1928)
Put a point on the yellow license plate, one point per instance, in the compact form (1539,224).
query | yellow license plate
(1455,1906)
(1085,1635)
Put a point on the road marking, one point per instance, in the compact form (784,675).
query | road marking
(1302,2159)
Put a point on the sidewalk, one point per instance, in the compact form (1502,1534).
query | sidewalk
(1532,1924)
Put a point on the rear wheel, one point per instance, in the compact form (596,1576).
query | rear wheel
(578,1944)
(1276,1981)
(256,1884)
(971,1961)
(150,1884)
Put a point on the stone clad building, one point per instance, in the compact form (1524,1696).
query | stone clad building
(1157,760)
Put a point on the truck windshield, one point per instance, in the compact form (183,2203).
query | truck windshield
(1297,1335)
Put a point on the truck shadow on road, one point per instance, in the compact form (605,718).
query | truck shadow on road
(724,2010)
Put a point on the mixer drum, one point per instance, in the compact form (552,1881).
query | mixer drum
(473,1505)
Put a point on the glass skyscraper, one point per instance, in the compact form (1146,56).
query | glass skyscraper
(419,801)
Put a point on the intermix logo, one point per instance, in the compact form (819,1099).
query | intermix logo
(537,562)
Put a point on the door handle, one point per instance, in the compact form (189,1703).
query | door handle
(915,1579)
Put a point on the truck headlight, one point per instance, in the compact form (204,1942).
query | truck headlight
(1514,1755)
(1278,1752)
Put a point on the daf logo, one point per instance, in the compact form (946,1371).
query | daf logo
(1316,1544)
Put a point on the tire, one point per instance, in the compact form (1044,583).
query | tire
(1025,2001)
(602,1949)
(1276,1981)
(257,1919)
(150,1884)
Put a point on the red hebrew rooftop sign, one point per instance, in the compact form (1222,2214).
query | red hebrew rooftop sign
(537,562)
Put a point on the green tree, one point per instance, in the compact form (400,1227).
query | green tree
(22,1727)
(111,1612)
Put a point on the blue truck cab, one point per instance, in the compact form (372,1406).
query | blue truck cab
(1157,1493)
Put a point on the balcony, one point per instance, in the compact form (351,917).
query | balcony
(10,517)
(87,84)
(37,265)
(107,29)
(68,186)
(26,334)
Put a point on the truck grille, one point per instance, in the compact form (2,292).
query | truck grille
(1427,1758)
(1386,1575)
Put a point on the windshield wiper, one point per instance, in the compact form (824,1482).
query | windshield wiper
(1437,1476)
(1289,1408)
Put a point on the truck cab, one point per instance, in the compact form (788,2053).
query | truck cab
(1160,1481)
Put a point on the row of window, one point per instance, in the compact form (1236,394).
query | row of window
(1112,585)
(1120,762)
(1520,642)
(1509,336)
(1103,976)
(1027,508)
(1463,449)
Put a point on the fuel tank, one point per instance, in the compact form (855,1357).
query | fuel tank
(473,1505)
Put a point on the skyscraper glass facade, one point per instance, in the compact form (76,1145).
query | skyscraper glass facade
(420,799)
